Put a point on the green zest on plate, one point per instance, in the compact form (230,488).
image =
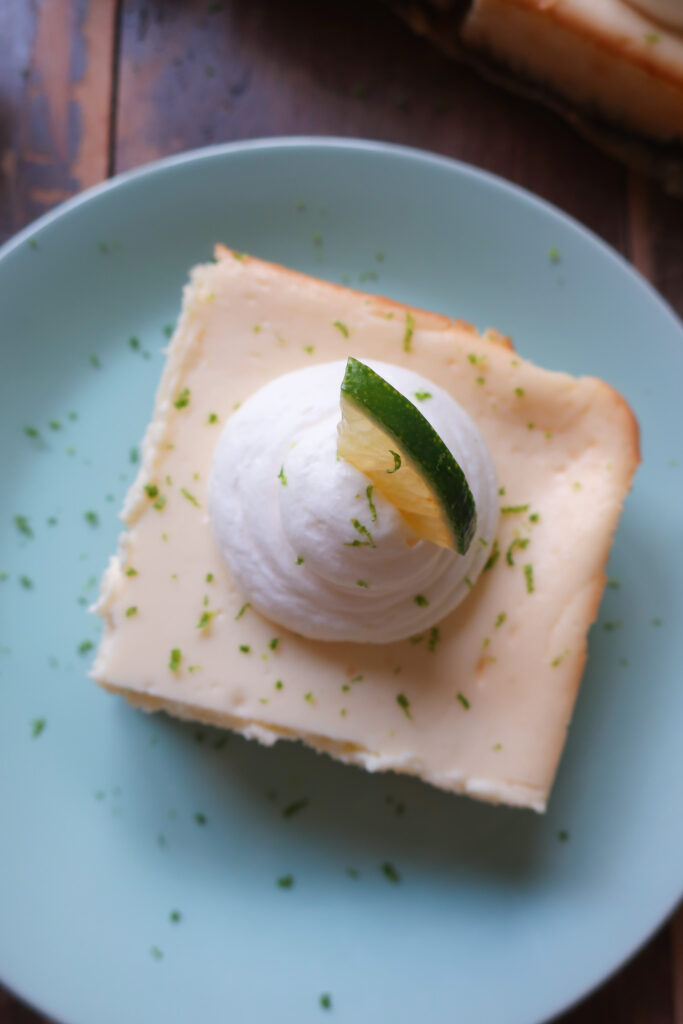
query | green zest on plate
(385,436)
(404,703)
(408,335)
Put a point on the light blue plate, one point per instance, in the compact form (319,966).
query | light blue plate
(499,916)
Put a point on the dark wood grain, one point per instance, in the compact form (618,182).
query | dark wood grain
(55,93)
(189,77)
(192,72)
(657,238)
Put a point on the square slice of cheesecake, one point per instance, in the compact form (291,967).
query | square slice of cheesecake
(480,704)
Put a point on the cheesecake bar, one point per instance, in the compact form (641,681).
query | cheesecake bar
(479,704)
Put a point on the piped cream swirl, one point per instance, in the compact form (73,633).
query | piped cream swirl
(305,540)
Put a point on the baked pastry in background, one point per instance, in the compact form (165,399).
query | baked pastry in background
(604,55)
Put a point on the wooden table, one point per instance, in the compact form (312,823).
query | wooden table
(88,89)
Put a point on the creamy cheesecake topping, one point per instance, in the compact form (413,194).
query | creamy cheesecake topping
(310,542)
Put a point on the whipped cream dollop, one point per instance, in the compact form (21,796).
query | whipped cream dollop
(285,511)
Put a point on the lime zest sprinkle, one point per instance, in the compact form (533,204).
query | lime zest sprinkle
(404,703)
(205,619)
(534,517)
(175,659)
(397,461)
(326,1001)
(274,643)
(282,476)
(463,700)
(151,490)
(422,396)
(518,542)
(529,577)
(513,510)
(285,881)
(519,392)
(245,648)
(212,418)
(278,684)
(559,658)
(341,327)
(190,497)
(362,583)
(421,601)
(160,502)
(500,619)
(297,805)
(364,532)
(408,334)
(37,726)
(299,560)
(373,511)
(652,38)
(133,610)
(183,399)
(390,873)
(554,254)
(493,557)
(475,359)
(23,526)
(309,349)
(434,638)
(131,571)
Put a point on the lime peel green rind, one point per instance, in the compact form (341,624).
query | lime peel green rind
(413,434)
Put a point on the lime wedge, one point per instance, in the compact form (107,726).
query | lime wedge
(388,439)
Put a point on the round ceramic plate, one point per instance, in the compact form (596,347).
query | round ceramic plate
(139,857)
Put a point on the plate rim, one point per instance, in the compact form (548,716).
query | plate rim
(427,158)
